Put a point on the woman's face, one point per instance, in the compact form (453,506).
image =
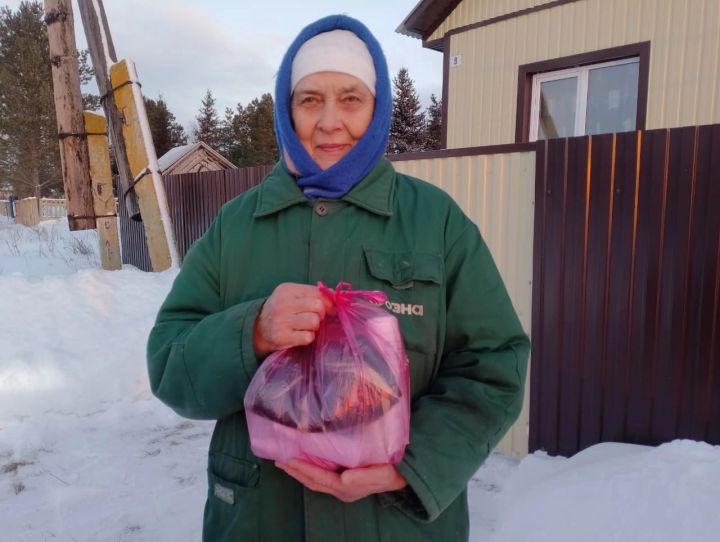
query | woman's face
(331,111)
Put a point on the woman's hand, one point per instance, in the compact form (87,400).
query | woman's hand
(289,317)
(348,486)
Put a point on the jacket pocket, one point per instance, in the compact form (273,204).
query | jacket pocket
(401,269)
(413,282)
(232,509)
(398,523)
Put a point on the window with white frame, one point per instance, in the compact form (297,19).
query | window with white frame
(592,99)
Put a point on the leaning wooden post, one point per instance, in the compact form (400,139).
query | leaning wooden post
(144,168)
(74,157)
(102,53)
(102,189)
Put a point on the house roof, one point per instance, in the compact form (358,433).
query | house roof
(425,17)
(175,155)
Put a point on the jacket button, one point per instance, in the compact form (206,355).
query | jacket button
(321,209)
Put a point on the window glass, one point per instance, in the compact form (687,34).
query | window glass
(612,99)
(594,99)
(558,101)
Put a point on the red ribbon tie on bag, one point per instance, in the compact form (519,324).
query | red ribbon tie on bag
(343,294)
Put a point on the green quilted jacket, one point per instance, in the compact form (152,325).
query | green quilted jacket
(466,348)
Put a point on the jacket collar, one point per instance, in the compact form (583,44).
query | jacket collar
(374,193)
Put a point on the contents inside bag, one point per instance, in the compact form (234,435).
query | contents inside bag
(342,401)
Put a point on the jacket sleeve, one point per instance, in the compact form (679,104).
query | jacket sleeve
(478,391)
(200,354)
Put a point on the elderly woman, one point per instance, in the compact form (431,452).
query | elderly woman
(332,210)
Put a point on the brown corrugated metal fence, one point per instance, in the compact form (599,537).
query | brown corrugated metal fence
(626,283)
(626,294)
(194,199)
(133,247)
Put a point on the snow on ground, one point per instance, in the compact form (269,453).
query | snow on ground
(87,454)
(616,493)
(47,249)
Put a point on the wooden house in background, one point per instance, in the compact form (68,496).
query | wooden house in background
(521,70)
(193,158)
(582,137)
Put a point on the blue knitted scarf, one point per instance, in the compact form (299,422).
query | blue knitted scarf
(337,180)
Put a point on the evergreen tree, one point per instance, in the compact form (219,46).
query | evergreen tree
(260,147)
(234,134)
(167,133)
(407,129)
(29,149)
(433,130)
(248,134)
(208,123)
(225,142)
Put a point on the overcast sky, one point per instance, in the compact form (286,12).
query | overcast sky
(234,47)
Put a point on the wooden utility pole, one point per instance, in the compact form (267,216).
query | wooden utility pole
(102,53)
(103,198)
(68,108)
(142,186)
(143,166)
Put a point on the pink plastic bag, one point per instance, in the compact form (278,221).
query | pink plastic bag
(342,401)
